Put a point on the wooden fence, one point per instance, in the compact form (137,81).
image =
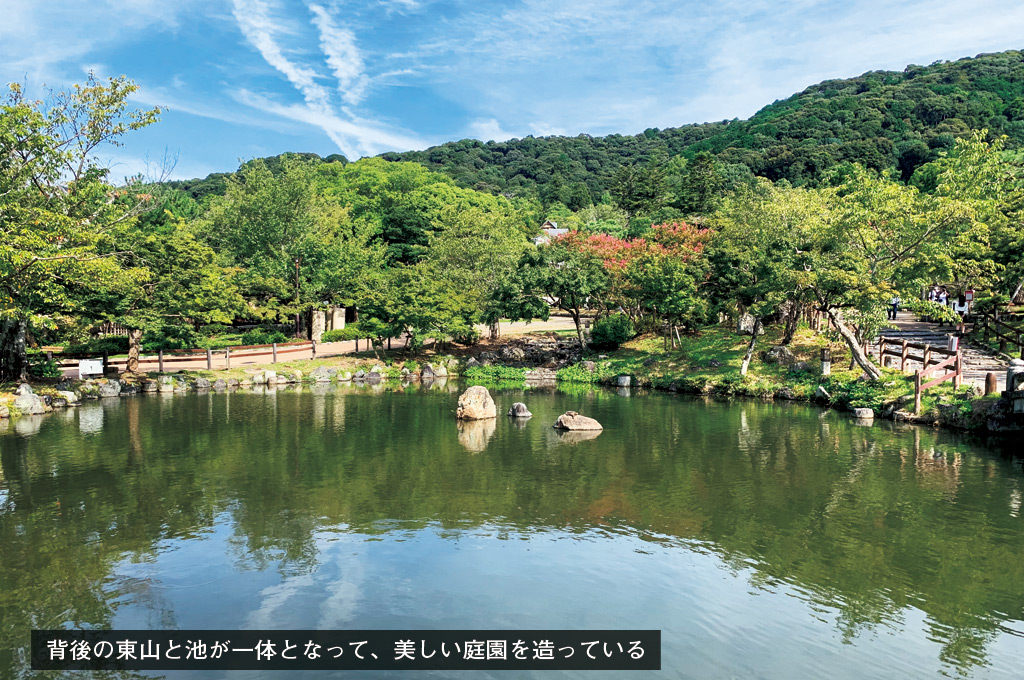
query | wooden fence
(212,358)
(991,326)
(931,358)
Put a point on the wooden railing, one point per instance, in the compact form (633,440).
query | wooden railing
(69,360)
(902,349)
(990,325)
(956,375)
(931,358)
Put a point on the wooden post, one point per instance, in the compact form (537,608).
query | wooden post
(959,377)
(917,392)
(227,357)
(274,347)
(314,348)
(826,361)
(927,355)
(49,356)
(357,345)
(160,360)
(991,384)
(881,351)
(903,357)
(209,359)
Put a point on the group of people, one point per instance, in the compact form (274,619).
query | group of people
(940,295)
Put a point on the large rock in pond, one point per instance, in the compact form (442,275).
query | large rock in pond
(519,410)
(570,420)
(863,413)
(28,403)
(476,404)
(109,388)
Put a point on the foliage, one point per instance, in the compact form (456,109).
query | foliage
(578,374)
(611,331)
(59,217)
(351,331)
(41,367)
(495,373)
(263,335)
(113,344)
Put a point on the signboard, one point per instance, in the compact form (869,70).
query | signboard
(969,295)
(90,367)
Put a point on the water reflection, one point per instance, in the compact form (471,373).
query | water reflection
(734,527)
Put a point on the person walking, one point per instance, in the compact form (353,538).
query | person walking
(894,306)
(942,299)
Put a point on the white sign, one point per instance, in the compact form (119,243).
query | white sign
(90,367)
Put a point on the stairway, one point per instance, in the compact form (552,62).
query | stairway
(978,360)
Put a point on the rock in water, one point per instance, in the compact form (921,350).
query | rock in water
(863,413)
(476,404)
(519,410)
(570,420)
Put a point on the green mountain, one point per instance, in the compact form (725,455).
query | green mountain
(881,119)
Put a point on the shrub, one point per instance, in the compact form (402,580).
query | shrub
(41,367)
(466,336)
(263,335)
(611,331)
(113,344)
(349,332)
(577,374)
(212,329)
(496,373)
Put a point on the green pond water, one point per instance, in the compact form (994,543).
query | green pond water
(765,540)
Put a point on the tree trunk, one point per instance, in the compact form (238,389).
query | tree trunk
(750,347)
(13,354)
(134,345)
(494,330)
(792,319)
(579,328)
(854,344)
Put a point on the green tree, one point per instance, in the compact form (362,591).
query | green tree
(296,247)
(59,216)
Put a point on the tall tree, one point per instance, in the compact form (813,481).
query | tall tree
(59,216)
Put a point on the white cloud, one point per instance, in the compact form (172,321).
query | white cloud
(601,66)
(353,135)
(339,46)
(489,129)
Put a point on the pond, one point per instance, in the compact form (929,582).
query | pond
(765,540)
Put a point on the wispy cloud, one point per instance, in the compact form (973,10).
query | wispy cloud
(339,46)
(353,135)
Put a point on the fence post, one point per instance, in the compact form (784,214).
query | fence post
(917,392)
(826,361)
(227,357)
(959,377)
(209,359)
(881,351)
(313,342)
(160,360)
(927,355)
(274,345)
(903,357)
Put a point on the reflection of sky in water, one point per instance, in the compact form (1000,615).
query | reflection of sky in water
(90,419)
(720,618)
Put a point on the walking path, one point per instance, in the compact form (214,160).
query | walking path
(978,360)
(333,349)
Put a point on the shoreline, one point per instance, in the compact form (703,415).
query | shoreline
(975,414)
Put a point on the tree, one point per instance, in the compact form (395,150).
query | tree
(557,274)
(184,288)
(639,189)
(59,216)
(472,253)
(295,246)
(701,186)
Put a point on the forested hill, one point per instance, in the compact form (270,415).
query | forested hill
(882,119)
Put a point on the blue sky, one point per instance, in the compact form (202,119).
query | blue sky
(247,78)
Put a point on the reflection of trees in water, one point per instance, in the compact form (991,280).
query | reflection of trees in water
(865,522)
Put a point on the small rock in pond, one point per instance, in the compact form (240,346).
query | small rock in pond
(519,410)
(570,420)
